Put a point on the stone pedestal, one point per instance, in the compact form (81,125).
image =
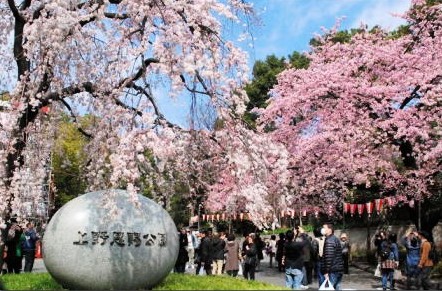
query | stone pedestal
(86,246)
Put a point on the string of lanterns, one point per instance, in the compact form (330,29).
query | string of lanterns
(349,208)
(376,204)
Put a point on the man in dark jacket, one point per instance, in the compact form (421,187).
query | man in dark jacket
(206,252)
(332,263)
(29,246)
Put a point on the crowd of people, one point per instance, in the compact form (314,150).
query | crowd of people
(420,257)
(17,243)
(295,253)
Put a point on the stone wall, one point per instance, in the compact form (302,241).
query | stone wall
(358,236)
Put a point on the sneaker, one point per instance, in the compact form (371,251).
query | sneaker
(304,287)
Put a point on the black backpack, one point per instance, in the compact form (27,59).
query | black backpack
(385,253)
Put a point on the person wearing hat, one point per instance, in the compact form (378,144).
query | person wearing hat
(345,245)
(425,263)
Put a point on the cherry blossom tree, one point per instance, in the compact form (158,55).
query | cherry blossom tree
(364,111)
(114,59)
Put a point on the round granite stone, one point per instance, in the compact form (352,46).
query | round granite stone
(87,246)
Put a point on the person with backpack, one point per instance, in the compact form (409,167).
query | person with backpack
(412,245)
(389,255)
(425,262)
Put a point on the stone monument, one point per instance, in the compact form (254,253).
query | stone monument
(89,246)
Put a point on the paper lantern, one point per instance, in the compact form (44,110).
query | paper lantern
(282,213)
(411,203)
(304,212)
(378,204)
(241,216)
(353,209)
(223,216)
(369,207)
(361,209)
(217,216)
(346,207)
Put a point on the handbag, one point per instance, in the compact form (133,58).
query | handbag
(397,275)
(388,264)
(377,272)
(326,285)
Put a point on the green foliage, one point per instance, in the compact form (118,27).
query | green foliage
(400,32)
(43,281)
(264,78)
(68,159)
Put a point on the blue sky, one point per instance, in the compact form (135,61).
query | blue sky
(288,25)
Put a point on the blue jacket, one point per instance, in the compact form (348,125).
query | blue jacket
(413,252)
(31,239)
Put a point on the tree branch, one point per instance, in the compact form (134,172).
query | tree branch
(88,135)
(411,97)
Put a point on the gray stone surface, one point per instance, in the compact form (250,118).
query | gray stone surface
(83,249)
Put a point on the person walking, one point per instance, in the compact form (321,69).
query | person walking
(272,249)
(28,246)
(260,245)
(191,246)
(13,255)
(250,257)
(345,245)
(293,259)
(183,257)
(307,269)
(218,246)
(412,245)
(206,252)
(332,264)
(425,262)
(279,251)
(232,256)
(318,250)
(389,261)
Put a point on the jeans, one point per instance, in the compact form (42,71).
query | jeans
(29,260)
(293,278)
(387,276)
(321,277)
(335,279)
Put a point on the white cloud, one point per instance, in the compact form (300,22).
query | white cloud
(380,13)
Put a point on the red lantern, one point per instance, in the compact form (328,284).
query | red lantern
(361,209)
(369,207)
(346,207)
(352,209)
(378,204)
